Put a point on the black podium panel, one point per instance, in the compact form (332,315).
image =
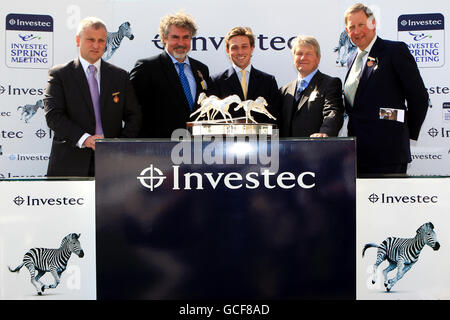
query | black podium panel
(223,230)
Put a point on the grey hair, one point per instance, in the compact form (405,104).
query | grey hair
(357,7)
(88,22)
(305,40)
(180,20)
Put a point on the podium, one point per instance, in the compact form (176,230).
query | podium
(226,219)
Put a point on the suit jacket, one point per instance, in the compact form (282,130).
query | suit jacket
(259,84)
(69,113)
(388,82)
(159,91)
(319,109)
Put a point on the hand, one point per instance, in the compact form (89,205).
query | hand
(319,135)
(90,141)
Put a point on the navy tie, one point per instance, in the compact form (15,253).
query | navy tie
(185,84)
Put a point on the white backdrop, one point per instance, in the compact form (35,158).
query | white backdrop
(24,146)
(398,209)
(39,214)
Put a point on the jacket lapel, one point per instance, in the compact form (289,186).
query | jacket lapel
(253,83)
(105,87)
(80,76)
(232,81)
(199,78)
(172,77)
(307,92)
(288,104)
(350,64)
(369,68)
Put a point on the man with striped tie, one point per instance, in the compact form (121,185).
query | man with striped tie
(168,85)
(382,78)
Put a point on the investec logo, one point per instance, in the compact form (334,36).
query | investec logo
(439,132)
(424,35)
(37,201)
(206,43)
(402,199)
(29,41)
(247,151)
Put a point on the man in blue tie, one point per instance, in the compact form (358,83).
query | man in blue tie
(312,104)
(85,100)
(168,85)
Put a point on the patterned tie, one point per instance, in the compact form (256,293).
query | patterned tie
(244,84)
(185,84)
(300,89)
(95,95)
(353,78)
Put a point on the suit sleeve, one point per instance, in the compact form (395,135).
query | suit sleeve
(140,78)
(275,100)
(56,112)
(132,115)
(333,109)
(416,94)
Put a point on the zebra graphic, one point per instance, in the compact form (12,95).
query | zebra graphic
(402,253)
(29,110)
(344,49)
(42,260)
(114,39)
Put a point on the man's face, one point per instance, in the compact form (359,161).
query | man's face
(306,59)
(240,51)
(91,43)
(360,29)
(178,42)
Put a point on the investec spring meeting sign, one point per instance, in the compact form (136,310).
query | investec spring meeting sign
(225,219)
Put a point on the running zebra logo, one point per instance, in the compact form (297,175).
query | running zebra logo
(344,49)
(402,253)
(114,39)
(42,260)
(29,110)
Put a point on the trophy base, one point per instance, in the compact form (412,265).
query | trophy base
(233,129)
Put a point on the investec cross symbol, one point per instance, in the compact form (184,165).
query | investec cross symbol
(155,180)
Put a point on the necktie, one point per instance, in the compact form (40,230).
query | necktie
(353,78)
(95,96)
(244,83)
(185,84)
(300,89)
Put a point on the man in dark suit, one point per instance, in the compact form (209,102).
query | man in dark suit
(312,104)
(242,78)
(168,85)
(85,100)
(382,75)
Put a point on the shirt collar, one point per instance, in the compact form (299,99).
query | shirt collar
(247,69)
(307,78)
(85,64)
(369,47)
(186,59)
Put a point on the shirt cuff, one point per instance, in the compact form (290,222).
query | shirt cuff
(82,139)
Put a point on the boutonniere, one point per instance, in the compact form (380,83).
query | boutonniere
(313,95)
(203,82)
(116,97)
(371,62)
